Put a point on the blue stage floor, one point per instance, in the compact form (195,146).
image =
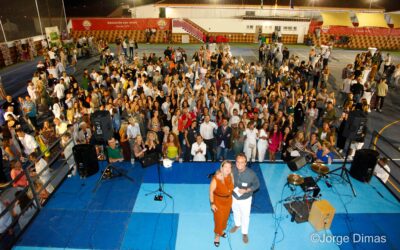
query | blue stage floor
(120,215)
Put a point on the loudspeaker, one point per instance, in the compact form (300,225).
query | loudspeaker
(86,159)
(363,164)
(150,159)
(103,127)
(321,215)
(356,126)
(297,163)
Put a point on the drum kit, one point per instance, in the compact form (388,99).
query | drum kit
(299,206)
(321,169)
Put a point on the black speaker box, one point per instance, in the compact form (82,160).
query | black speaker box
(103,128)
(86,159)
(355,127)
(363,164)
(297,163)
(150,159)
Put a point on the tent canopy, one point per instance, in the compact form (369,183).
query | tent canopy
(395,20)
(371,20)
(336,19)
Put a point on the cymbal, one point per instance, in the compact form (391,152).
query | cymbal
(295,179)
(320,168)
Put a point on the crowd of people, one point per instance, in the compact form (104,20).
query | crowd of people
(213,106)
(208,107)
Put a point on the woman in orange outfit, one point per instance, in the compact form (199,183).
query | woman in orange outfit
(221,189)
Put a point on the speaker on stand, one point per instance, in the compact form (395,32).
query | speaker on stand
(364,162)
(103,127)
(86,159)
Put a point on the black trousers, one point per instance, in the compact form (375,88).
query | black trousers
(211,149)
(379,101)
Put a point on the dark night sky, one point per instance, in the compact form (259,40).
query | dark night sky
(75,8)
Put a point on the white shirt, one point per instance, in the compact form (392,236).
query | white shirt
(9,113)
(207,130)
(59,90)
(56,110)
(263,142)
(132,131)
(51,54)
(62,128)
(45,176)
(346,85)
(31,92)
(199,156)
(29,143)
(251,136)
(381,173)
(234,120)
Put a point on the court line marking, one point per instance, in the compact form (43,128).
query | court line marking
(376,140)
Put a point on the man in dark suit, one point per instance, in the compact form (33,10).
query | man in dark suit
(223,137)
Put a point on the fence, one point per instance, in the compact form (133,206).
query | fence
(387,149)
(28,18)
(20,204)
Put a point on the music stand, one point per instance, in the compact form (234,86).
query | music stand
(160,191)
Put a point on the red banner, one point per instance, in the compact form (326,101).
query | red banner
(121,23)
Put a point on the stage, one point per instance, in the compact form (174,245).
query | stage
(119,215)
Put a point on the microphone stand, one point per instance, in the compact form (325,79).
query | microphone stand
(160,191)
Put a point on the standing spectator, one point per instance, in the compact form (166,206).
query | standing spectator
(381,92)
(207,132)
(29,108)
(42,171)
(28,142)
(131,47)
(250,144)
(223,135)
(199,149)
(61,127)
(387,62)
(124,141)
(18,175)
(172,148)
(358,90)
(262,145)
(190,137)
(275,142)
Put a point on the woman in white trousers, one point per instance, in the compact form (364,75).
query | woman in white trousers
(262,144)
(250,144)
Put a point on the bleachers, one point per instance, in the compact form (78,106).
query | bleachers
(363,41)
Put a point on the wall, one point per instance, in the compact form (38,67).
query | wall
(249,26)
(234,12)
(146,11)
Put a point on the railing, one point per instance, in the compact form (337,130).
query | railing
(388,150)
(189,28)
(21,204)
